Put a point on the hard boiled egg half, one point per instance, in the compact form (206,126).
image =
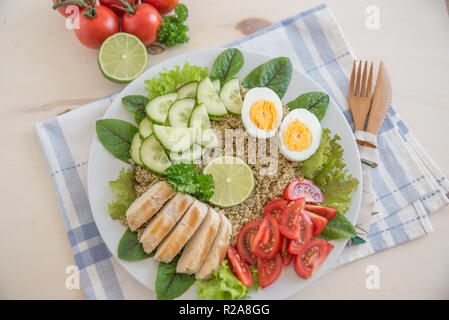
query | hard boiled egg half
(300,135)
(262,112)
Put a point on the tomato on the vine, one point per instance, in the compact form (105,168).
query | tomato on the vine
(143,21)
(164,6)
(116,5)
(62,9)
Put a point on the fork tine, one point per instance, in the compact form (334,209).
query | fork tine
(351,81)
(370,81)
(365,71)
(357,84)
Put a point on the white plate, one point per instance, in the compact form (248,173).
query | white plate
(103,167)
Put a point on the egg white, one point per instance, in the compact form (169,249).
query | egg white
(312,122)
(251,97)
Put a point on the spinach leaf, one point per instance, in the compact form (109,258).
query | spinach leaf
(315,101)
(227,64)
(116,136)
(169,284)
(135,104)
(274,74)
(357,240)
(338,228)
(130,249)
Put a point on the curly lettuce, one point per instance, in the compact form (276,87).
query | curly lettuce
(169,80)
(123,187)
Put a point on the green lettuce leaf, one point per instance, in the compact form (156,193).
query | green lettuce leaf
(123,187)
(168,80)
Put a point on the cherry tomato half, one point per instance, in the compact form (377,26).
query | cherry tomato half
(267,240)
(93,31)
(312,257)
(303,188)
(144,23)
(240,267)
(305,234)
(164,6)
(275,207)
(327,212)
(269,270)
(286,256)
(244,240)
(318,222)
(289,219)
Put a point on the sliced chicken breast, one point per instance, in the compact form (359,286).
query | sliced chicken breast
(144,207)
(217,251)
(198,246)
(164,221)
(182,232)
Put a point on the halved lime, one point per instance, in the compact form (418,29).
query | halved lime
(233,179)
(122,57)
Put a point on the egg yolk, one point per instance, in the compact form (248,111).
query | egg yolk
(264,114)
(297,136)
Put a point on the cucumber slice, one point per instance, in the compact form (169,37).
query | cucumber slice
(175,139)
(199,118)
(189,156)
(216,84)
(188,90)
(179,112)
(208,139)
(145,128)
(153,155)
(231,97)
(207,94)
(157,109)
(136,142)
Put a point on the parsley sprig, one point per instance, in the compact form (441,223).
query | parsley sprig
(173,30)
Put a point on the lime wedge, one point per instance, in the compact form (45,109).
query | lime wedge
(233,179)
(122,57)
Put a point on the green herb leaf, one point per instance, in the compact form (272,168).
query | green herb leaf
(184,178)
(173,30)
(227,64)
(357,240)
(123,187)
(130,249)
(315,102)
(274,74)
(169,284)
(116,136)
(135,104)
(338,228)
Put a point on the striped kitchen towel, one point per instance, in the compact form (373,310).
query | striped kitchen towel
(408,185)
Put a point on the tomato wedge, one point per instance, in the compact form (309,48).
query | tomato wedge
(269,270)
(319,222)
(240,267)
(289,219)
(305,234)
(244,240)
(327,212)
(275,207)
(303,188)
(267,240)
(286,256)
(310,259)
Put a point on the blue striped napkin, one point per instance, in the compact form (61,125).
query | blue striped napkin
(408,185)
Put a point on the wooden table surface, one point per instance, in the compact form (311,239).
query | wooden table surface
(44,71)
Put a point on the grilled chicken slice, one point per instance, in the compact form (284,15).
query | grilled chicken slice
(164,221)
(198,246)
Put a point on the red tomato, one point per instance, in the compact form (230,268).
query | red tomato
(244,240)
(318,222)
(303,188)
(326,212)
(311,258)
(93,31)
(275,207)
(267,240)
(144,23)
(289,219)
(62,9)
(240,267)
(112,4)
(269,270)
(305,234)
(164,6)
(285,255)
